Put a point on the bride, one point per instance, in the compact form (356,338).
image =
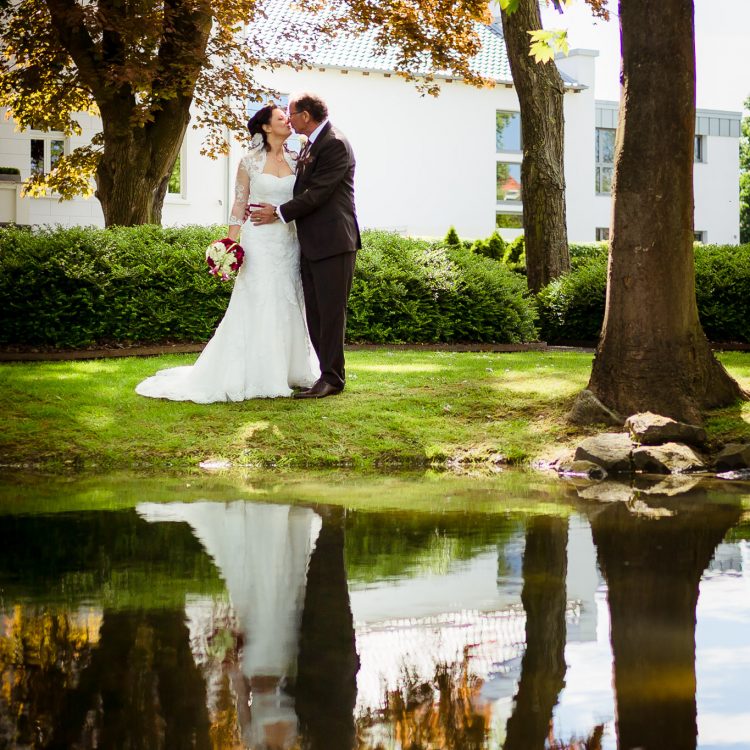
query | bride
(261,348)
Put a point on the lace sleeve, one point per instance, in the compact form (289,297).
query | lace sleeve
(241,194)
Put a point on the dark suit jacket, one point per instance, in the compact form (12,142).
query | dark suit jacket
(323,202)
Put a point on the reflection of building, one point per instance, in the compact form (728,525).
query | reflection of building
(423,163)
(411,625)
(509,189)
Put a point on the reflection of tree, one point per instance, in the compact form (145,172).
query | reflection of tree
(502,119)
(327,666)
(543,665)
(387,545)
(41,654)
(110,557)
(653,568)
(137,688)
(445,713)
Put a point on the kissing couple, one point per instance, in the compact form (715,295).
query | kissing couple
(283,330)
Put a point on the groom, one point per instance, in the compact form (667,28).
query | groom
(323,207)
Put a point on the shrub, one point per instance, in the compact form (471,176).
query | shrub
(495,246)
(515,255)
(479,247)
(571,308)
(408,290)
(85,286)
(79,286)
(452,238)
(492,247)
(722,288)
(10,170)
(515,250)
(582,252)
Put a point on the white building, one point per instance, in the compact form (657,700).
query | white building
(423,163)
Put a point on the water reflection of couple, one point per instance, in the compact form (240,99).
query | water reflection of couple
(262,552)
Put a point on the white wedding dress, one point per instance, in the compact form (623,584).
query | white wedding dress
(261,348)
(262,552)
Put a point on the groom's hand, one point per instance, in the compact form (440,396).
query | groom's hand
(264,215)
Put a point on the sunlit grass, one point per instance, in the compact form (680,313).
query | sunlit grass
(400,408)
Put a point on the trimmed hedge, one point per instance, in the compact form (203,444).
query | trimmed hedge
(571,308)
(85,286)
(82,286)
(409,290)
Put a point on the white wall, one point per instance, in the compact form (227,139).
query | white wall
(203,200)
(208,187)
(579,145)
(716,186)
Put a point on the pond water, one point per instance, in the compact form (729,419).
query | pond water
(385,612)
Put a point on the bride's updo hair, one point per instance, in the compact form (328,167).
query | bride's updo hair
(259,119)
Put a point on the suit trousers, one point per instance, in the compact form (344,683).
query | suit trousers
(326,284)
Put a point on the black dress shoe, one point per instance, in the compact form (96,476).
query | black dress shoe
(320,390)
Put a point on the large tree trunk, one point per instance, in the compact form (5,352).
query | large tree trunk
(540,95)
(653,354)
(653,569)
(326,689)
(134,170)
(140,143)
(543,666)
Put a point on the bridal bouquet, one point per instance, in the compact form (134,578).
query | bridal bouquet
(224,258)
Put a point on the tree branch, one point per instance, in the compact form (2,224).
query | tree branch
(67,17)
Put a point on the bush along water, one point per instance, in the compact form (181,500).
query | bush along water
(571,308)
(80,287)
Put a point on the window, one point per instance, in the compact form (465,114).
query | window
(508,181)
(699,148)
(508,131)
(699,236)
(605,159)
(45,151)
(508,221)
(175,179)
(602,234)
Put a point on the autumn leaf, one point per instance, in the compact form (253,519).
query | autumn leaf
(546,44)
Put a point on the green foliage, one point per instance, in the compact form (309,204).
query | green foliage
(493,247)
(515,251)
(79,286)
(496,245)
(83,286)
(745,178)
(408,290)
(452,238)
(515,255)
(745,207)
(571,308)
(582,252)
(722,287)
(10,170)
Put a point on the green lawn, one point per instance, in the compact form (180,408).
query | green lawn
(400,408)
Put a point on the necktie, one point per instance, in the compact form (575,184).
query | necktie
(305,153)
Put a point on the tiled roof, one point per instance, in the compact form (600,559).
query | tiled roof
(357,51)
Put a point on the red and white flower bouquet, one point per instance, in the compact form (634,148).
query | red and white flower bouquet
(224,258)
